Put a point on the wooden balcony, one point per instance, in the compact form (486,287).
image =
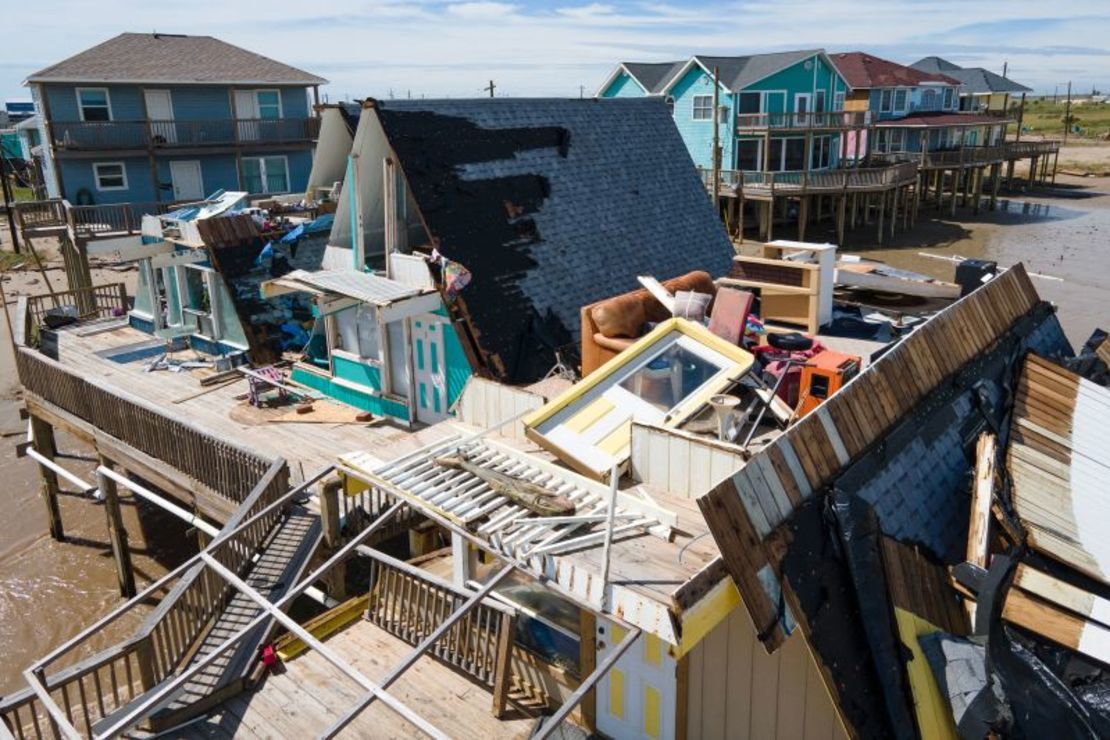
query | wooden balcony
(812,121)
(77,136)
(758,184)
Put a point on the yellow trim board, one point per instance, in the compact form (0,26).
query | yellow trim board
(934,715)
(712,609)
(289,646)
(589,416)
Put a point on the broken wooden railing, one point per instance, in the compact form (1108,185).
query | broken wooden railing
(94,302)
(410,603)
(91,689)
(228,470)
(844,179)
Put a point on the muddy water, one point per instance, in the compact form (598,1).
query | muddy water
(50,591)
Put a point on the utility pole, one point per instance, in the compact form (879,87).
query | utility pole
(1005,66)
(1067,114)
(1021,117)
(490,88)
(581,92)
(716,140)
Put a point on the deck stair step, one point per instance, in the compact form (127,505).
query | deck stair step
(282,561)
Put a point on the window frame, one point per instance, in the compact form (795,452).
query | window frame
(123,176)
(261,159)
(694,108)
(107,102)
(258,103)
(886,100)
(948,98)
(905,93)
(838,101)
(929,99)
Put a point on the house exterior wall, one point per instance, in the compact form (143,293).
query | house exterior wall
(149,175)
(736,690)
(623,87)
(698,134)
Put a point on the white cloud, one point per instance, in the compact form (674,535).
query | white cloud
(448,47)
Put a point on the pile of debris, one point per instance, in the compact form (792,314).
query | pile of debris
(852,529)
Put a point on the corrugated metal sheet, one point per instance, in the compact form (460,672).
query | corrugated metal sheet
(363,286)
(1059,463)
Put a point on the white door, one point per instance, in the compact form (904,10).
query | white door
(246,112)
(159,111)
(428,345)
(801,105)
(187,183)
(638,696)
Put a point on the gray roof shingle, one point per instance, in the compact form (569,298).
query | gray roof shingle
(160,57)
(552,204)
(739,72)
(974,79)
(652,77)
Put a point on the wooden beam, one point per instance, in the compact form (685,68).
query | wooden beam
(502,666)
(982,495)
(1063,628)
(42,432)
(117,533)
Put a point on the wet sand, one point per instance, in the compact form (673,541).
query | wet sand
(50,591)
(1060,232)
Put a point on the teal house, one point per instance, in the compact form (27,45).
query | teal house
(146,118)
(778,112)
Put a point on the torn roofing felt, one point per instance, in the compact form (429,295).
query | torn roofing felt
(551,204)
(897,437)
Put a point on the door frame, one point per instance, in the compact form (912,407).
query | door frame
(808,96)
(422,332)
(169,133)
(200,177)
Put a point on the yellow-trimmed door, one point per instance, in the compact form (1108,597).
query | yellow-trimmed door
(636,698)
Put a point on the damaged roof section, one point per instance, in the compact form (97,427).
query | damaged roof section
(815,529)
(551,205)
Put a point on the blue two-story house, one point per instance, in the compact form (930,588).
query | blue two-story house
(778,112)
(158,118)
(910,109)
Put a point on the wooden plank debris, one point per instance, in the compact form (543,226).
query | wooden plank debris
(536,499)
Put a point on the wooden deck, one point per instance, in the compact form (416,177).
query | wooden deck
(308,446)
(310,694)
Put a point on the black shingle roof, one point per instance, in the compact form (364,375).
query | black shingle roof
(552,204)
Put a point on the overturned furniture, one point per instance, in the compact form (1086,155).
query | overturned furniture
(794,280)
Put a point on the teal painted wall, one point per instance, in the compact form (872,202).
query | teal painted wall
(367,400)
(698,134)
(455,365)
(623,87)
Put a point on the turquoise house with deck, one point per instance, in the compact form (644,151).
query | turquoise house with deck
(778,112)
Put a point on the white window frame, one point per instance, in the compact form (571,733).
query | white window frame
(258,103)
(886,104)
(809,101)
(262,170)
(905,93)
(929,94)
(107,100)
(948,98)
(759,154)
(838,102)
(694,108)
(96,176)
(823,96)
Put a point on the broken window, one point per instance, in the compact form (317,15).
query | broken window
(94,104)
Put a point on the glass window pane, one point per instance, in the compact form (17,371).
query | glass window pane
(670,376)
(747,152)
(750,102)
(252,175)
(398,367)
(277,179)
(795,154)
(269,103)
(94,97)
(776,155)
(703,107)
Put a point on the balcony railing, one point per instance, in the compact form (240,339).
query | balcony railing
(840,119)
(101,135)
(833,180)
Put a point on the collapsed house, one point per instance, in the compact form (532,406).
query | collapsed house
(844,530)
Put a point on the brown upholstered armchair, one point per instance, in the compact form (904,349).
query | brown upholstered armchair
(610,325)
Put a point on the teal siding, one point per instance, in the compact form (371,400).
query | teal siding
(698,134)
(623,87)
(354,372)
(456,365)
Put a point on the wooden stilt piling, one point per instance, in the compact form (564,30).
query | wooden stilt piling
(43,434)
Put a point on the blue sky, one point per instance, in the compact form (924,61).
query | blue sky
(437,48)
